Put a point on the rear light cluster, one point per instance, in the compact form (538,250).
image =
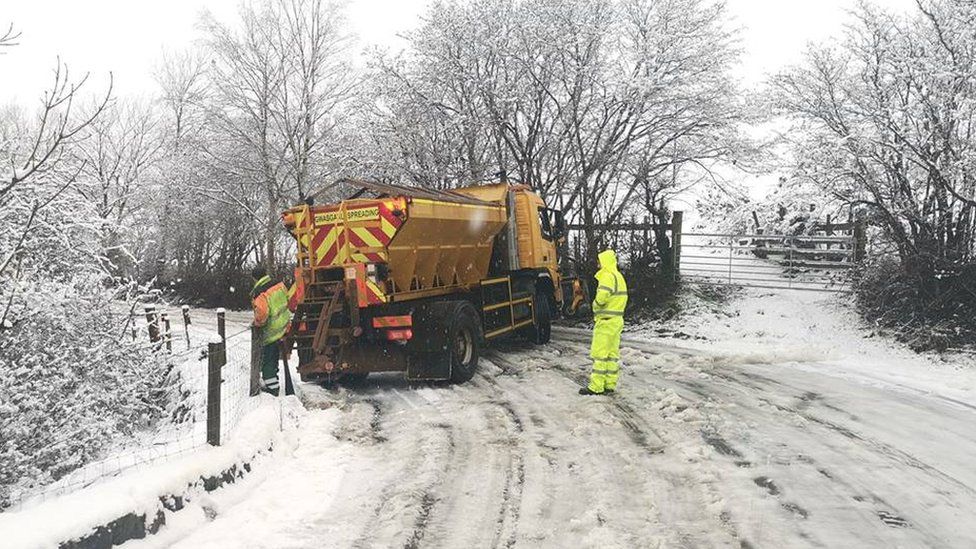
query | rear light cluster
(395,328)
(399,334)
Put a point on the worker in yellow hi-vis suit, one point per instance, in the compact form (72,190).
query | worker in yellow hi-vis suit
(608,316)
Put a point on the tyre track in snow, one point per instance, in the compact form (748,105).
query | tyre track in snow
(389,499)
(748,451)
(514,470)
(505,460)
(732,395)
(878,512)
(374,532)
(804,401)
(558,468)
(510,509)
(401,513)
(538,460)
(686,497)
(671,500)
(639,431)
(521,458)
(464,481)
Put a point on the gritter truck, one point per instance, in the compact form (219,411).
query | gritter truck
(398,278)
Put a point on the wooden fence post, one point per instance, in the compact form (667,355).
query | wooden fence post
(676,220)
(216,358)
(860,240)
(186,324)
(255,360)
(167,333)
(646,244)
(633,243)
(153,320)
(222,324)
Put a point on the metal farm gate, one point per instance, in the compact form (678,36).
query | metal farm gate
(818,261)
(794,262)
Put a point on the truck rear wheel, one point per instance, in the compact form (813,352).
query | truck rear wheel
(463,342)
(447,342)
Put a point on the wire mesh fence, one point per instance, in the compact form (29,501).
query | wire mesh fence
(193,385)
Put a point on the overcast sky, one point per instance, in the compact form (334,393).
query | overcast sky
(128,36)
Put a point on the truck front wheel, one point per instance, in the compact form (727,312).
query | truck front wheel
(541,331)
(543,318)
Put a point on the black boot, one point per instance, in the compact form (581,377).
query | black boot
(587,391)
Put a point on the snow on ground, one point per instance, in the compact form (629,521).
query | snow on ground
(778,423)
(137,490)
(824,332)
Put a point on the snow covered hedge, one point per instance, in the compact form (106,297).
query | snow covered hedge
(71,382)
(927,313)
(72,387)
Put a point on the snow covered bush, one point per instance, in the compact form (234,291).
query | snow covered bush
(71,383)
(884,124)
(71,380)
(928,314)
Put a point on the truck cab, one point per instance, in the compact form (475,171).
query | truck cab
(530,241)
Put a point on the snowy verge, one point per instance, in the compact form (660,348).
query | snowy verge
(145,493)
(818,332)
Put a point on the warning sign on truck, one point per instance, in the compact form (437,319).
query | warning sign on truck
(364,214)
(361,214)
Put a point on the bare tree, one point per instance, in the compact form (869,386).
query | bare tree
(589,102)
(182,77)
(278,83)
(38,167)
(55,129)
(120,148)
(8,39)
(41,152)
(889,127)
(318,86)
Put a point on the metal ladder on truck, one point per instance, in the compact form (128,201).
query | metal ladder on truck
(322,305)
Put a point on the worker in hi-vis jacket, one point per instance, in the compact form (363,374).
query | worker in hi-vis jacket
(608,316)
(270,302)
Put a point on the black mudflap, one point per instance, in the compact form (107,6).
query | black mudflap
(429,367)
(427,354)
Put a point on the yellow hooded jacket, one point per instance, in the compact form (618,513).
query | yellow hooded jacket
(611,292)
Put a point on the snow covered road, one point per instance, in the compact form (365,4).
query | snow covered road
(765,434)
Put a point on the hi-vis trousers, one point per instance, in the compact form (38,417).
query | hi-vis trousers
(605,352)
(270,356)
